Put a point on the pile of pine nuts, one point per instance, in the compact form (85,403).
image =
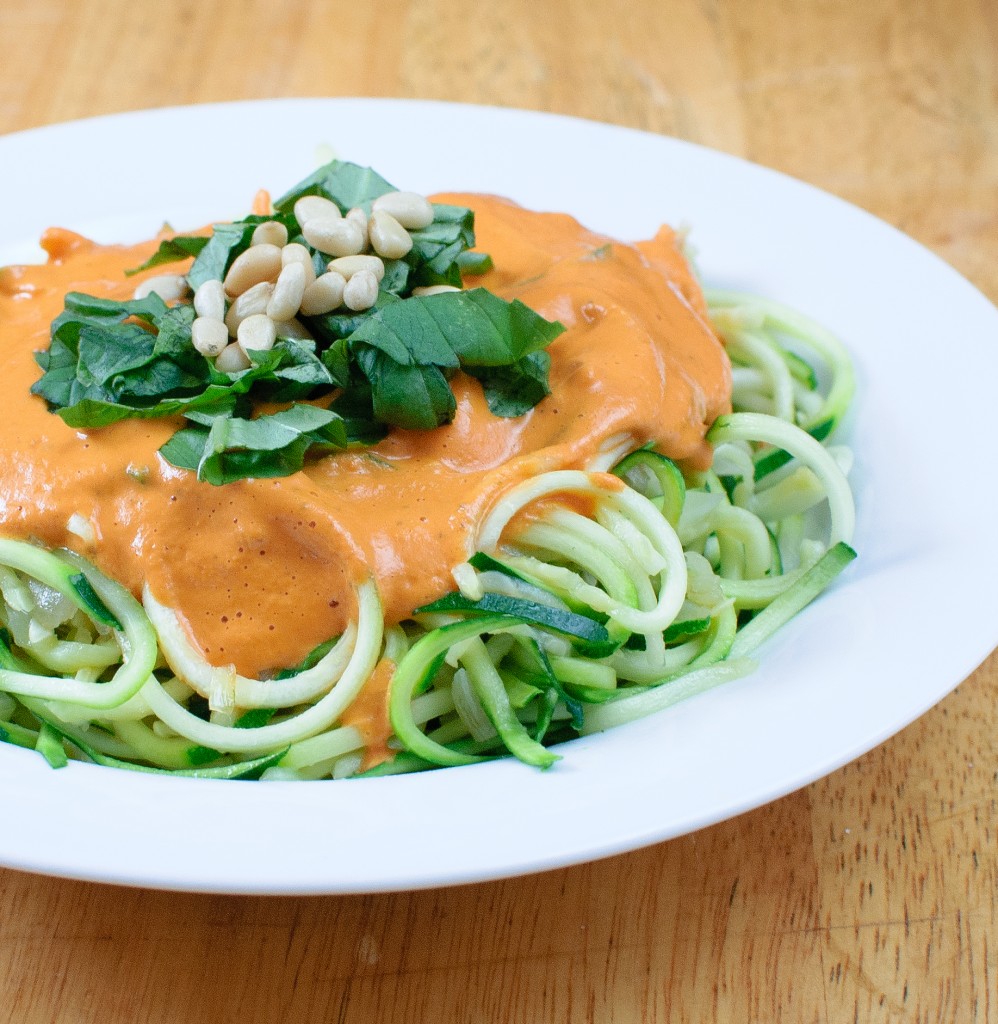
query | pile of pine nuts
(274,281)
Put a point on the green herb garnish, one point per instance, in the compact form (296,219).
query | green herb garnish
(387,366)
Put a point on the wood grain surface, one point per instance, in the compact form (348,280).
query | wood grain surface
(867,897)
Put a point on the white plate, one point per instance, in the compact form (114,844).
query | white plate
(908,621)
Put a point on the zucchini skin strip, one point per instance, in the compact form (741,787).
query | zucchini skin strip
(237,770)
(631,707)
(665,471)
(492,693)
(588,635)
(791,601)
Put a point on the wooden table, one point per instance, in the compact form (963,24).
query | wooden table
(869,896)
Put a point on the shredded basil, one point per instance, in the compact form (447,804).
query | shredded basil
(224,448)
(172,250)
(387,366)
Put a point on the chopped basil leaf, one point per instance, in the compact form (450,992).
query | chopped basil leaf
(515,389)
(272,445)
(338,326)
(104,366)
(310,660)
(405,347)
(475,263)
(344,183)
(414,397)
(226,243)
(435,248)
(172,250)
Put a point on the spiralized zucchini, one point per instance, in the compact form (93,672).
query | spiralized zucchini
(562,623)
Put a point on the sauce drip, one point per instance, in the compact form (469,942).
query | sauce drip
(261,571)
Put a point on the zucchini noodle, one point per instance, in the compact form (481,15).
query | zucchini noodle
(563,621)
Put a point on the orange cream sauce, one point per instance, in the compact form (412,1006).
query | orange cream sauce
(263,570)
(368,714)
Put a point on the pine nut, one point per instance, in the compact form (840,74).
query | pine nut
(324,294)
(288,291)
(232,359)
(209,300)
(209,336)
(434,289)
(257,333)
(357,215)
(254,300)
(297,253)
(256,264)
(294,329)
(350,265)
(169,287)
(410,209)
(361,291)
(334,237)
(388,238)
(271,232)
(310,207)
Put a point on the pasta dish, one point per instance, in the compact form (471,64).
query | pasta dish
(366,484)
